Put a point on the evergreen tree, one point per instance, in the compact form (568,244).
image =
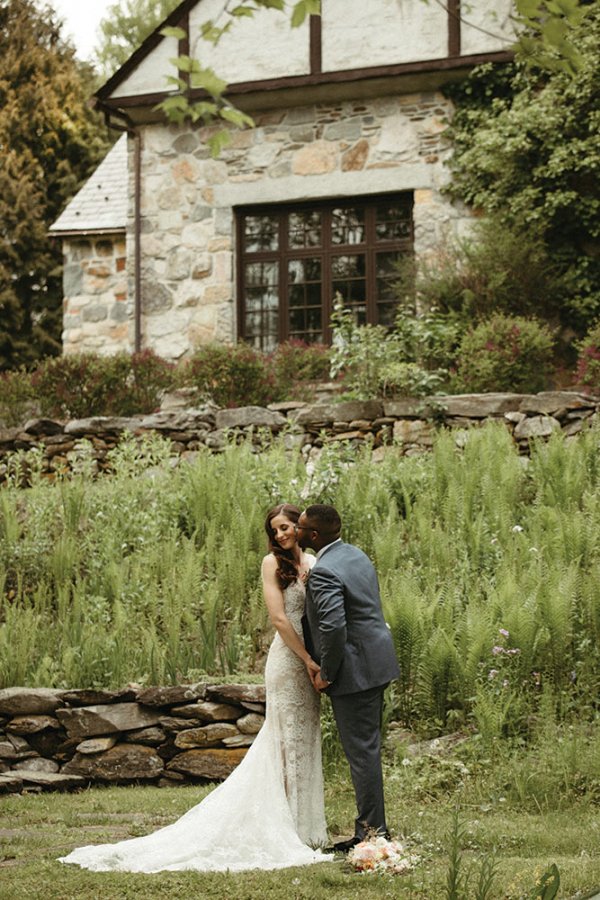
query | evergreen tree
(50,142)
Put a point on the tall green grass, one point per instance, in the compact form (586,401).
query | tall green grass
(152,573)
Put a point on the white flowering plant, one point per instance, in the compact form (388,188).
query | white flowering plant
(377,855)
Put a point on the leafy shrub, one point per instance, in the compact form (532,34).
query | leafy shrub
(17,397)
(410,360)
(149,376)
(408,379)
(588,362)
(505,353)
(495,269)
(295,363)
(359,352)
(230,375)
(86,384)
(78,385)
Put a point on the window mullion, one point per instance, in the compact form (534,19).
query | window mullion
(370,265)
(326,277)
(284,325)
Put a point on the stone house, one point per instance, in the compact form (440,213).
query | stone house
(342,174)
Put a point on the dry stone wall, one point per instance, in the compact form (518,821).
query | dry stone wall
(406,426)
(69,739)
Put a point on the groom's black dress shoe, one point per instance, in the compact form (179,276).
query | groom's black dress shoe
(344,846)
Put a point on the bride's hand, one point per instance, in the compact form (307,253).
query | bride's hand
(313,668)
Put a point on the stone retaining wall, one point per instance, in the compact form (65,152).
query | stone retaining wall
(68,739)
(407,424)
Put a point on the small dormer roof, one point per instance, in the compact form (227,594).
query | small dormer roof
(100,207)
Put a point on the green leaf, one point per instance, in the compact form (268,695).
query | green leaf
(299,14)
(183,63)
(305,8)
(179,82)
(236,117)
(271,4)
(177,102)
(217,142)
(530,9)
(178,33)
(554,31)
(209,81)
(548,886)
(203,109)
(211,33)
(240,11)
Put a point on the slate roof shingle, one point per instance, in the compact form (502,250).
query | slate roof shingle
(100,206)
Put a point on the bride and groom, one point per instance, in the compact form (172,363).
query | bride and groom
(330,637)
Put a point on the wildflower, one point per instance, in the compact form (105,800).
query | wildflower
(497,650)
(504,632)
(516,529)
(492,674)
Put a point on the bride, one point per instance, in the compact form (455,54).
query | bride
(269,813)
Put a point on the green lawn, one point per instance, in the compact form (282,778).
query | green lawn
(36,829)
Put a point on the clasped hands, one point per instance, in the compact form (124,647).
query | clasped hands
(314,673)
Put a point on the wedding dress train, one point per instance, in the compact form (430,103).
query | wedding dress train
(269,813)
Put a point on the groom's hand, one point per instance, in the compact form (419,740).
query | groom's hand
(320,683)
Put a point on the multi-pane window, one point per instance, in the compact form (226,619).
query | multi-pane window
(293,260)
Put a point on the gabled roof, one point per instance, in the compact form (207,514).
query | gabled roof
(177,17)
(354,48)
(100,206)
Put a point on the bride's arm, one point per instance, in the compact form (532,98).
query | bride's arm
(275,606)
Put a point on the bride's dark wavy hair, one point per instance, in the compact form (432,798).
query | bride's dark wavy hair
(286,567)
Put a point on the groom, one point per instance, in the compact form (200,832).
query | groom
(346,634)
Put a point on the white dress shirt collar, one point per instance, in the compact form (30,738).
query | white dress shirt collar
(326,547)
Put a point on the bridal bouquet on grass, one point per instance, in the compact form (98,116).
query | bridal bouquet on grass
(378,855)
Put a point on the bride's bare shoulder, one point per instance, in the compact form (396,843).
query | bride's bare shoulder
(269,563)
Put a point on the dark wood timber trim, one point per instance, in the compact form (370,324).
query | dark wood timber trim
(453,27)
(347,75)
(316,45)
(184,45)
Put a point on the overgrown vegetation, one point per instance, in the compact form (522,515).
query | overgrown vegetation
(123,384)
(525,151)
(489,569)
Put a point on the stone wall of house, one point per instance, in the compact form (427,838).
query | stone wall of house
(338,149)
(404,427)
(68,739)
(96,316)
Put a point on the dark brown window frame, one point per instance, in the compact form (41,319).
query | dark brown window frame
(327,252)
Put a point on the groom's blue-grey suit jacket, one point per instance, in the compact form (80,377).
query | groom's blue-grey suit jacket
(344,628)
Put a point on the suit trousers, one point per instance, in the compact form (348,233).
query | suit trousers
(358,718)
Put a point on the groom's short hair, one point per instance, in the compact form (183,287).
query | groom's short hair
(327,518)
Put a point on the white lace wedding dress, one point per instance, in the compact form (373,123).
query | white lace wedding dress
(269,813)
